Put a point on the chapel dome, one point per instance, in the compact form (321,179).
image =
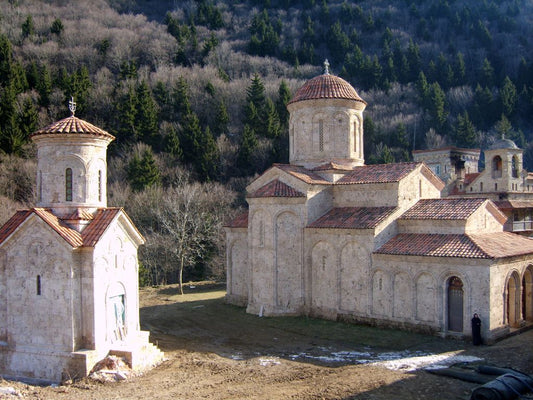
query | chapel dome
(72,125)
(326,86)
(503,144)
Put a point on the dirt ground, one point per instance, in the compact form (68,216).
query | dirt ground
(217,351)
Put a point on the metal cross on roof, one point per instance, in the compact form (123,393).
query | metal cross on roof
(326,67)
(72,105)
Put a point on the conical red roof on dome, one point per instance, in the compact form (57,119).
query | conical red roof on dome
(326,86)
(71,125)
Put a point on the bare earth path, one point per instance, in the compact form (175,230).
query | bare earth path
(217,351)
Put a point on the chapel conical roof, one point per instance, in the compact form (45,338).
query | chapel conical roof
(72,125)
(326,86)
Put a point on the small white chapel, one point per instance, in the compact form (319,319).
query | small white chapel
(330,237)
(69,268)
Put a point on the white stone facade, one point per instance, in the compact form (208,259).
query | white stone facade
(329,237)
(69,269)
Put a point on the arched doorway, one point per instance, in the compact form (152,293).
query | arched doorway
(455,304)
(513,300)
(496,167)
(527,294)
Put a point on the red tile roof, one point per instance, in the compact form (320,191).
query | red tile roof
(71,125)
(514,204)
(302,174)
(469,178)
(332,166)
(487,245)
(443,209)
(326,87)
(240,221)
(88,238)
(353,217)
(276,188)
(378,173)
(434,245)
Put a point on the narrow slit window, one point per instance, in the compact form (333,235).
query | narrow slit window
(68,184)
(321,135)
(100,185)
(40,186)
(38,285)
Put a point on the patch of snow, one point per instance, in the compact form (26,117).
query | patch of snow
(430,361)
(267,362)
(8,390)
(398,360)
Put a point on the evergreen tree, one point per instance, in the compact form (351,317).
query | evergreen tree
(508,97)
(143,171)
(437,106)
(221,119)
(44,86)
(27,119)
(486,74)
(246,149)
(483,109)
(256,111)
(180,99)
(459,70)
(401,137)
(284,96)
(465,132)
(6,61)
(414,60)
(57,27)
(126,112)
(273,129)
(207,156)
(28,27)
(423,90)
(189,137)
(338,42)
(172,143)
(146,119)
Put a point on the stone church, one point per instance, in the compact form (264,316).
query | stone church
(330,237)
(68,267)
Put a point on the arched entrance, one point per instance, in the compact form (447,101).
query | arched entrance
(455,304)
(527,294)
(513,300)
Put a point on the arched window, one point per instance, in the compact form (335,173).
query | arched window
(68,184)
(321,135)
(497,167)
(100,185)
(514,167)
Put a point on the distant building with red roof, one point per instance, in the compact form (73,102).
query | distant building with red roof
(330,237)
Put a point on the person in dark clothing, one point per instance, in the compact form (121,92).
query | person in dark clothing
(476,330)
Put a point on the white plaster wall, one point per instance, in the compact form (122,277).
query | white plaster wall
(419,284)
(116,267)
(238,267)
(337,264)
(342,131)
(48,321)
(86,156)
(366,195)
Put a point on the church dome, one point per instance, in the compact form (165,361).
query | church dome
(72,125)
(326,86)
(503,144)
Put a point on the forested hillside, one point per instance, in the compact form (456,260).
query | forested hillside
(195,93)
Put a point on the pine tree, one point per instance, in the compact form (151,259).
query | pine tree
(28,27)
(181,105)
(437,106)
(221,119)
(459,70)
(284,96)
(486,74)
(172,143)
(44,86)
(465,132)
(508,97)
(246,149)
(207,157)
(126,112)
(189,137)
(57,27)
(143,172)
(423,90)
(146,119)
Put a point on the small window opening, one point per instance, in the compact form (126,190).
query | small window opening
(68,184)
(321,135)
(99,185)
(38,285)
